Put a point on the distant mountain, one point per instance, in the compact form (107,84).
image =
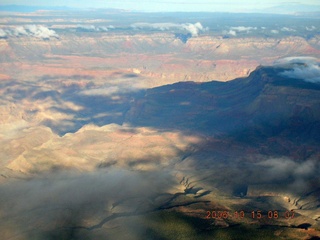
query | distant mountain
(291,8)
(24,8)
(256,110)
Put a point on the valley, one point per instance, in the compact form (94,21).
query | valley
(114,128)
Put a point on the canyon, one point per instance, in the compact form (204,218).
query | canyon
(148,130)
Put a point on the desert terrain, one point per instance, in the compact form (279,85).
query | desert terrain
(159,127)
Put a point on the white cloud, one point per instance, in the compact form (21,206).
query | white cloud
(285,29)
(232,32)
(19,31)
(105,91)
(160,26)
(243,29)
(3,34)
(92,28)
(193,29)
(121,86)
(305,68)
(309,73)
(311,28)
(37,31)
(290,60)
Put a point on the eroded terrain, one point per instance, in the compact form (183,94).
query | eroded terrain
(98,140)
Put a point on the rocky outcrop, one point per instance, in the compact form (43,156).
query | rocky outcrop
(264,108)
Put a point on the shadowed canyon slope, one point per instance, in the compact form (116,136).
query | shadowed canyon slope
(264,106)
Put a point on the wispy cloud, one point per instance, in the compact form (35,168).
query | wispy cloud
(233,31)
(67,200)
(193,29)
(286,29)
(281,168)
(92,28)
(284,169)
(123,85)
(104,91)
(243,29)
(311,28)
(3,34)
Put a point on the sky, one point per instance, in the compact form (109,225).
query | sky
(164,5)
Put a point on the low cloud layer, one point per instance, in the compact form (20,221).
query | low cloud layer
(286,29)
(235,30)
(232,32)
(282,168)
(193,29)
(305,68)
(122,86)
(312,28)
(243,29)
(299,174)
(66,203)
(37,31)
(2,33)
(92,28)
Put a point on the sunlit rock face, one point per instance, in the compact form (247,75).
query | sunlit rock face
(160,57)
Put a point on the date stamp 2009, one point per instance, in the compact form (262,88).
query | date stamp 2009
(256,214)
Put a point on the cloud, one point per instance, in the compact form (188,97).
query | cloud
(92,28)
(60,202)
(232,32)
(193,29)
(274,31)
(305,68)
(243,29)
(292,60)
(39,31)
(36,31)
(285,29)
(309,73)
(3,34)
(282,169)
(19,31)
(114,90)
(294,177)
(311,28)
(104,91)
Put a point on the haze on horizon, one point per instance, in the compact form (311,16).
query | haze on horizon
(169,6)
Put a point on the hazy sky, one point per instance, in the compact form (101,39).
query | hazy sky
(164,5)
